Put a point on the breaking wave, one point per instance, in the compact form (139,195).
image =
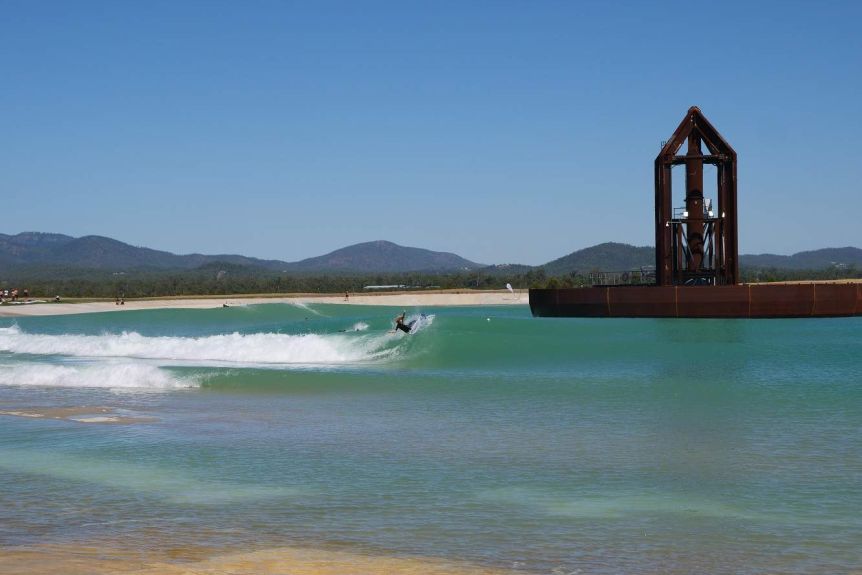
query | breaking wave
(419,322)
(233,348)
(116,376)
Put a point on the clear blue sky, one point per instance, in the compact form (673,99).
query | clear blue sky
(510,131)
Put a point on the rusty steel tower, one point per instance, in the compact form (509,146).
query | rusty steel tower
(697,244)
(697,255)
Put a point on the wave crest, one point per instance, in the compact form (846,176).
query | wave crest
(234,348)
(116,376)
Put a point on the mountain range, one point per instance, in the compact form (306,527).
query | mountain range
(35,250)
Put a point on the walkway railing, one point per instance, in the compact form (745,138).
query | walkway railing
(643,276)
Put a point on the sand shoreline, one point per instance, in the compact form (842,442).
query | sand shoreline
(96,559)
(395,299)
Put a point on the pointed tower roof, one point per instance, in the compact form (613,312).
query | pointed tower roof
(695,121)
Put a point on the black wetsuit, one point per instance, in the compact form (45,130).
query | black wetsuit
(404,327)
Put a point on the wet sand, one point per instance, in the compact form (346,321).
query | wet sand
(97,559)
(397,299)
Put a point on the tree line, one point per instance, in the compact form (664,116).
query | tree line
(233,280)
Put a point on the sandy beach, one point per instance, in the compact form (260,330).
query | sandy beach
(437,298)
(396,299)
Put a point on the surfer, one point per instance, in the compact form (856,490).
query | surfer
(399,323)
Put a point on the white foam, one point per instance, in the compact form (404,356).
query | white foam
(419,322)
(115,376)
(96,419)
(22,414)
(306,307)
(234,348)
(359,326)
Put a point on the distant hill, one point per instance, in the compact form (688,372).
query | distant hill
(34,251)
(383,257)
(31,249)
(810,260)
(54,255)
(612,256)
(609,256)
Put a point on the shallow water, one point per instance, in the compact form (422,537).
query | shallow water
(488,436)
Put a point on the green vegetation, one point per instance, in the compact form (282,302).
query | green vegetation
(97,267)
(232,280)
(608,256)
(753,275)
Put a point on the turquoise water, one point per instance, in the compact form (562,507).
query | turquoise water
(542,445)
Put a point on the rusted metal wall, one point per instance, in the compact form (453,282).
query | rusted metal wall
(744,301)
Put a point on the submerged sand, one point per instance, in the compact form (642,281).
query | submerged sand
(398,299)
(98,560)
(81,414)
